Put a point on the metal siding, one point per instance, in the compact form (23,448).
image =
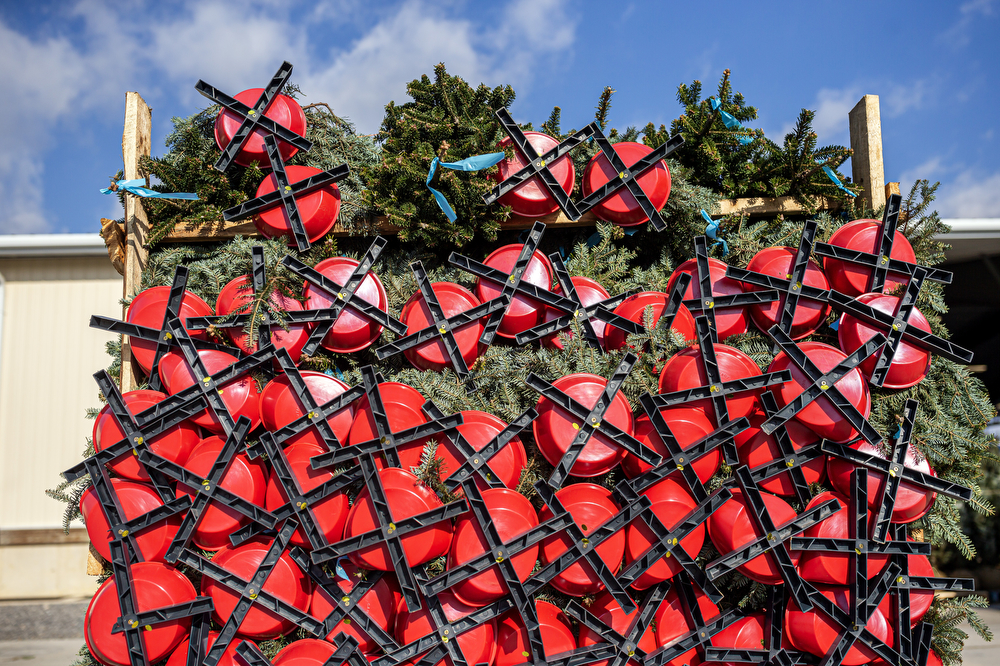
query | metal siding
(47,358)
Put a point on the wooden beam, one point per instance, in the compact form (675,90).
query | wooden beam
(753,207)
(866,141)
(891,188)
(136,142)
(42,536)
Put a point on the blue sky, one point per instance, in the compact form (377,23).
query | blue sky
(64,69)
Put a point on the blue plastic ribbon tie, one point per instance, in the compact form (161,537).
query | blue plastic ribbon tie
(836,181)
(899,431)
(835,325)
(137,186)
(712,231)
(474,163)
(729,121)
(340,570)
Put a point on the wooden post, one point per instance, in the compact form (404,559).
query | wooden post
(136,142)
(866,142)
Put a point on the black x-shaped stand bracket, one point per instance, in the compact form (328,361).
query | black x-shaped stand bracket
(341,296)
(538,166)
(880,262)
(253,117)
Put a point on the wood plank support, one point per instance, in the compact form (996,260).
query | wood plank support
(136,143)
(42,536)
(867,169)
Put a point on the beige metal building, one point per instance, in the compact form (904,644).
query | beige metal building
(49,287)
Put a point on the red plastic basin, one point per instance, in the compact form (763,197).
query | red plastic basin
(406,496)
(760,449)
(589,292)
(732,526)
(179,655)
(174,444)
(286,582)
(672,623)
(555,428)
(147,309)
(478,644)
(590,505)
(728,321)
(330,513)
(607,610)
(531,198)
(512,515)
(237,296)
(912,502)
(246,478)
(379,603)
(684,370)
(809,314)
(834,568)
(687,426)
(523,312)
(820,415)
(815,633)
(622,207)
(240,395)
(135,499)
(852,279)
(909,364)
(283,110)
(512,637)
(279,406)
(634,308)
(155,585)
(318,209)
(352,332)
(671,502)
(454,299)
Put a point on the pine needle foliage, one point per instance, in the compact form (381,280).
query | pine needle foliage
(451,120)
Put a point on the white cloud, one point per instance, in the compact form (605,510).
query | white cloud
(930,169)
(235,45)
(957,36)
(972,195)
(832,107)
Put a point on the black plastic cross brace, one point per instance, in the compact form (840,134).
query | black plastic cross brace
(251,592)
(169,412)
(441,326)
(477,462)
(347,604)
(682,459)
(700,636)
(674,300)
(896,472)
(198,639)
(346,652)
(162,337)
(792,287)
(442,641)
(254,118)
(538,165)
(709,303)
(208,489)
(286,194)
(592,420)
(500,553)
(584,546)
(772,539)
(901,602)
(859,546)
(716,390)
(668,541)
(790,461)
(853,622)
(120,527)
(510,283)
(824,384)
(134,434)
(627,645)
(896,328)
(880,261)
(582,314)
(773,654)
(132,621)
(342,296)
(627,176)
(258,281)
